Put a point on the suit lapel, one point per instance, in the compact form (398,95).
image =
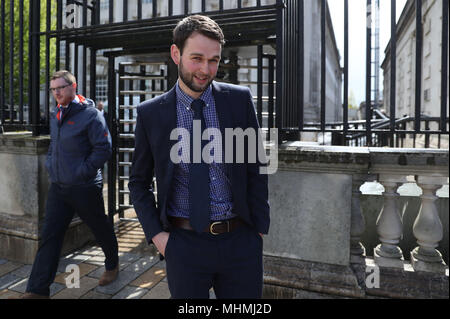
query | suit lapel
(223,107)
(168,122)
(225,117)
(168,114)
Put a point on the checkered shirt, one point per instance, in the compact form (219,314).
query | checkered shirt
(219,186)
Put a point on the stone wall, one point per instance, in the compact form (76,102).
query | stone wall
(24,186)
(314,216)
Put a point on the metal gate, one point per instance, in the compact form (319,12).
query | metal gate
(137,82)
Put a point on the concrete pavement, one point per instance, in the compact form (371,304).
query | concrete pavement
(142,275)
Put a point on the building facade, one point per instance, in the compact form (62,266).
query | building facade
(406,59)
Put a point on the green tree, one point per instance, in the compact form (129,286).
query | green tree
(16,61)
(352,101)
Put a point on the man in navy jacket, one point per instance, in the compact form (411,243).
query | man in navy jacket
(80,145)
(209,217)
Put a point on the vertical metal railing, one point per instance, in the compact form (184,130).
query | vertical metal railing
(112,124)
(139,9)
(280,63)
(345,105)
(11,62)
(271,92)
(259,102)
(290,71)
(84,51)
(93,57)
(58,27)
(47,65)
(34,65)
(368,73)
(111,10)
(393,75)
(323,68)
(418,93)
(301,62)
(444,66)
(2,64)
(21,88)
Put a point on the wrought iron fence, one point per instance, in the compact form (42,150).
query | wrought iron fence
(40,36)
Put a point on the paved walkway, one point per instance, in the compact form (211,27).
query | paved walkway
(142,275)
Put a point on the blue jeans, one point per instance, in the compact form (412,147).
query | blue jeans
(62,204)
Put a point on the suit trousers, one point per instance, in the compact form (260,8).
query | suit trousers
(230,263)
(62,203)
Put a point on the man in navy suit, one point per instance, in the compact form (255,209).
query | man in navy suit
(209,216)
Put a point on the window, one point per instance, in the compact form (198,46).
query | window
(62,54)
(101,88)
(427,72)
(427,26)
(427,95)
(104,4)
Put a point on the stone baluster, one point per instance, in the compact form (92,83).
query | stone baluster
(390,224)
(428,228)
(357,228)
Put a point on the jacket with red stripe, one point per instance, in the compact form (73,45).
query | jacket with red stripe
(80,144)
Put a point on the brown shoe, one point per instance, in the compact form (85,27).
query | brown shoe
(108,276)
(30,295)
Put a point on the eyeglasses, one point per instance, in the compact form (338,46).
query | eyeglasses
(59,88)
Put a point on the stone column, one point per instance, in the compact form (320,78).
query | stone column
(428,228)
(389,224)
(357,227)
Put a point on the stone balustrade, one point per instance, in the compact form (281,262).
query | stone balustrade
(314,246)
(391,167)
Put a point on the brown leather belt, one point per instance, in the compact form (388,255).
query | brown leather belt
(215,228)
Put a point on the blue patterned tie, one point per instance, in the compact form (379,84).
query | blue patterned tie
(199,179)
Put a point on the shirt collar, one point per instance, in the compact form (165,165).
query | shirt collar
(75,100)
(186,100)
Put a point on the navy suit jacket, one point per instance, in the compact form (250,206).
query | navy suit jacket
(156,118)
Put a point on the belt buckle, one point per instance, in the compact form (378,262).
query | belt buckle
(217,223)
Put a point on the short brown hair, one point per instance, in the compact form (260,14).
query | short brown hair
(66,75)
(196,23)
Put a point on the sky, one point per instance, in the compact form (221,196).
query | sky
(357,39)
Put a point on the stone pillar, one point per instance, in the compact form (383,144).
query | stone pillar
(389,224)
(428,228)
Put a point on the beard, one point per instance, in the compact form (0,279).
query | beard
(188,79)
